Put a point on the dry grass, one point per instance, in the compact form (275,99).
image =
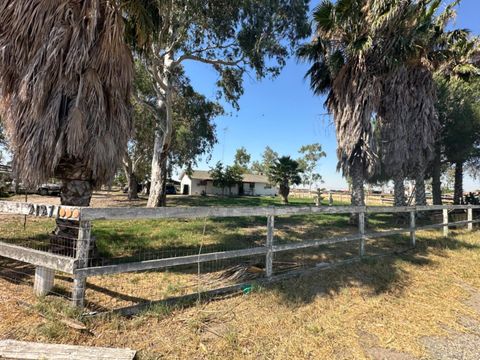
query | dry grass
(388,302)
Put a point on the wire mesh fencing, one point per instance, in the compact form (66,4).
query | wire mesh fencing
(55,236)
(337,237)
(129,257)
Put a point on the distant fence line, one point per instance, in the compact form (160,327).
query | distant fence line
(78,265)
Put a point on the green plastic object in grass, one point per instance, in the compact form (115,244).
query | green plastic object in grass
(247,289)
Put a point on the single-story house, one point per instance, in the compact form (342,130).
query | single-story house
(201,182)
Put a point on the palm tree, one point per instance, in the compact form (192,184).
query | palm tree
(355,47)
(65,77)
(285,172)
(408,119)
(339,69)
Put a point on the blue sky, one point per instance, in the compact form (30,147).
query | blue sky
(284,114)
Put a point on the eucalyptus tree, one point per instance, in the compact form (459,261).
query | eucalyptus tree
(193,132)
(312,153)
(232,37)
(242,159)
(194,129)
(268,158)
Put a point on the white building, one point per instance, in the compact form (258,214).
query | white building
(200,182)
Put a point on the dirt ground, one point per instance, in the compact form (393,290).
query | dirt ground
(422,304)
(99,199)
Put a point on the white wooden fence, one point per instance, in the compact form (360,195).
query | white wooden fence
(47,263)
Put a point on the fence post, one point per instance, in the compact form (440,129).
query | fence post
(361,230)
(44,278)
(445,222)
(412,228)
(269,257)
(82,252)
(470,219)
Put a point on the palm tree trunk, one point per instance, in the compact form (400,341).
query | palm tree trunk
(420,197)
(284,192)
(358,194)
(458,187)
(399,190)
(76,192)
(77,189)
(436,177)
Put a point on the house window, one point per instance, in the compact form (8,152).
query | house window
(252,185)
(202,183)
(268,186)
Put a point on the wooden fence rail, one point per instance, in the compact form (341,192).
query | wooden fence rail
(46,263)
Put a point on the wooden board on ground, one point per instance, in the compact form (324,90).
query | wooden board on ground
(12,349)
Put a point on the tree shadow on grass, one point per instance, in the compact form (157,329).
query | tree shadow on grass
(147,240)
(16,272)
(379,274)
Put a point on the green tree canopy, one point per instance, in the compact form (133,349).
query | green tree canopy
(232,37)
(242,159)
(458,107)
(308,163)
(268,159)
(226,176)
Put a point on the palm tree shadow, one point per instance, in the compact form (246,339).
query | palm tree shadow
(378,273)
(16,272)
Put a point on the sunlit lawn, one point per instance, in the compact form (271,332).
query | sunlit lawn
(144,239)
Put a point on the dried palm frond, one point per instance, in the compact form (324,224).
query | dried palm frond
(407,121)
(65,76)
(352,100)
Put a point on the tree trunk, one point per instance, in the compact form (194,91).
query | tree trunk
(132,187)
(163,138)
(163,195)
(420,197)
(131,178)
(77,189)
(156,197)
(358,194)
(399,190)
(436,177)
(284,192)
(76,192)
(458,187)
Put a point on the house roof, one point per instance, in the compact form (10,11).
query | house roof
(249,178)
